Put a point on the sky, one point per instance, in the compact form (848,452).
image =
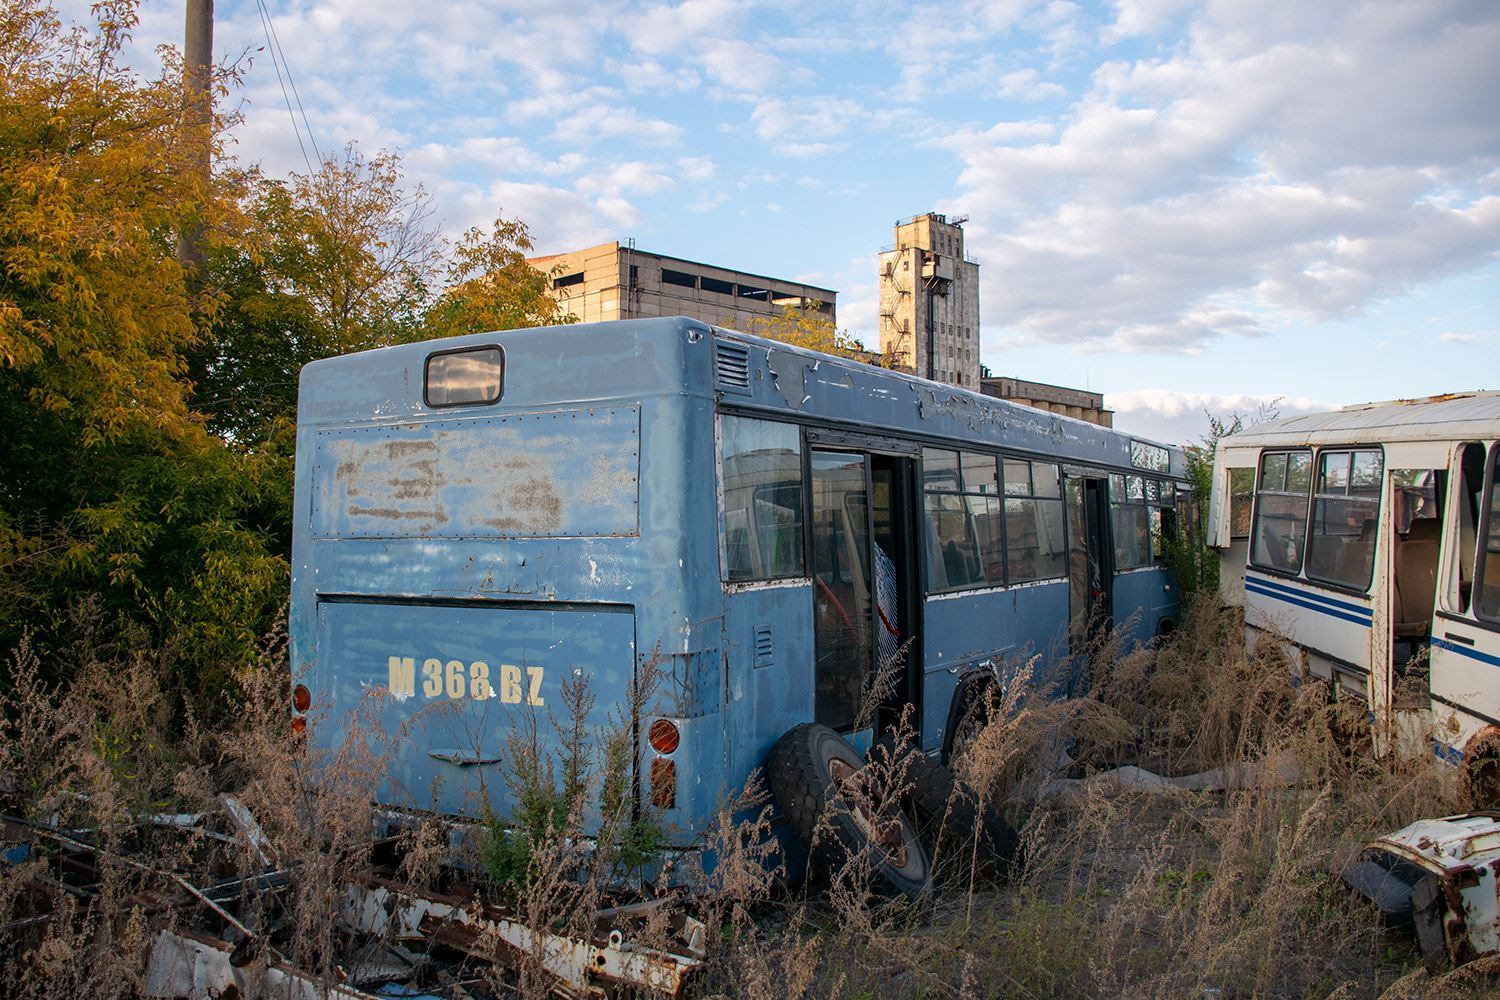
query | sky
(1187,206)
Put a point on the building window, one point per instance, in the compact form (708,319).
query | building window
(682,278)
(567,280)
(715,285)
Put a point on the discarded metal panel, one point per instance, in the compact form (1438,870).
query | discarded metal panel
(1438,876)
(188,964)
(579,968)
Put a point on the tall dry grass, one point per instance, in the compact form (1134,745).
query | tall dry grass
(1150,892)
(1126,891)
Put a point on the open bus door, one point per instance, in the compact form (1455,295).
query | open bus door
(865,599)
(1090,573)
(1465,645)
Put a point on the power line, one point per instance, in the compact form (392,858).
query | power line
(273,43)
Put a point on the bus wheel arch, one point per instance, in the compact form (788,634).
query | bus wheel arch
(817,779)
(1479,778)
(968,713)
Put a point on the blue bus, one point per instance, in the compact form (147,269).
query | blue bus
(480,518)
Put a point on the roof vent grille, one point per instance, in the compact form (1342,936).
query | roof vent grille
(732,367)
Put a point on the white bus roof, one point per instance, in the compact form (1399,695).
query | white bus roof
(1457,416)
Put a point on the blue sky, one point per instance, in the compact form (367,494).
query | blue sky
(1180,204)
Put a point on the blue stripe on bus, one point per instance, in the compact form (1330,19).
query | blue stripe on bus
(1254,588)
(1444,752)
(1331,602)
(1462,650)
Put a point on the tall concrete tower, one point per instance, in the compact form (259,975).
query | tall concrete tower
(929,301)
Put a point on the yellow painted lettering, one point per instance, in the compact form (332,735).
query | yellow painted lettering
(403,677)
(479,680)
(455,677)
(534,696)
(432,674)
(510,683)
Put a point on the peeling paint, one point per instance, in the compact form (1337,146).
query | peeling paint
(519,475)
(789,374)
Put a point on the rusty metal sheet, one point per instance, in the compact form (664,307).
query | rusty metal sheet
(504,476)
(582,968)
(1440,876)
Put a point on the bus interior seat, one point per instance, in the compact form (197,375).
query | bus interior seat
(1353,561)
(1416,578)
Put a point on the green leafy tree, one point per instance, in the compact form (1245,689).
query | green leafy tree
(108,484)
(490,286)
(807,326)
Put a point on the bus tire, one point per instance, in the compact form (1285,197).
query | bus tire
(815,777)
(952,822)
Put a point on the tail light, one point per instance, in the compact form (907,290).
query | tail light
(299,725)
(301,698)
(664,737)
(663,783)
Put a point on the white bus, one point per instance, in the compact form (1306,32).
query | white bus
(1369,540)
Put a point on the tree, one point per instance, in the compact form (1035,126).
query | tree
(111,492)
(490,286)
(807,326)
(346,260)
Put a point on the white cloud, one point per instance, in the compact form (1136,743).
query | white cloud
(1182,417)
(1457,338)
(1284,162)
(1027,85)
(625,177)
(597,121)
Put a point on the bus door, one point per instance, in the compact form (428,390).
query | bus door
(864,593)
(1090,575)
(1465,645)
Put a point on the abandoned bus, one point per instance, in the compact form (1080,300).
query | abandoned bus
(482,518)
(1369,540)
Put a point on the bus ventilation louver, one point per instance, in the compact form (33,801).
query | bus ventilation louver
(764,651)
(732,368)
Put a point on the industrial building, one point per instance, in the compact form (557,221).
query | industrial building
(617,281)
(929,301)
(1078,403)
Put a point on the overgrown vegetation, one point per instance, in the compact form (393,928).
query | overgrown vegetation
(145,468)
(1128,888)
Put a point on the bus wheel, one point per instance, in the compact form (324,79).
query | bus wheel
(842,816)
(953,824)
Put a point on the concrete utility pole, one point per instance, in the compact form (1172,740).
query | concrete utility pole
(198,100)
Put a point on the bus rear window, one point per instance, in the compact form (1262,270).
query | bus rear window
(459,378)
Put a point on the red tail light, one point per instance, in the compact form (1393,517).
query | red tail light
(301,698)
(664,736)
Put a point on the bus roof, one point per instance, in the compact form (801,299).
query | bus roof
(1451,417)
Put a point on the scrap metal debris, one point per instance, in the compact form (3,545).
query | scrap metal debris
(1437,877)
(400,941)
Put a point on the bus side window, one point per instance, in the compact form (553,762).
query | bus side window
(1279,532)
(1346,507)
(1241,499)
(1130,522)
(1471,492)
(762,480)
(1487,589)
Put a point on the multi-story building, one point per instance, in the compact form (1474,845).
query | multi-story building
(929,301)
(1079,403)
(617,281)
